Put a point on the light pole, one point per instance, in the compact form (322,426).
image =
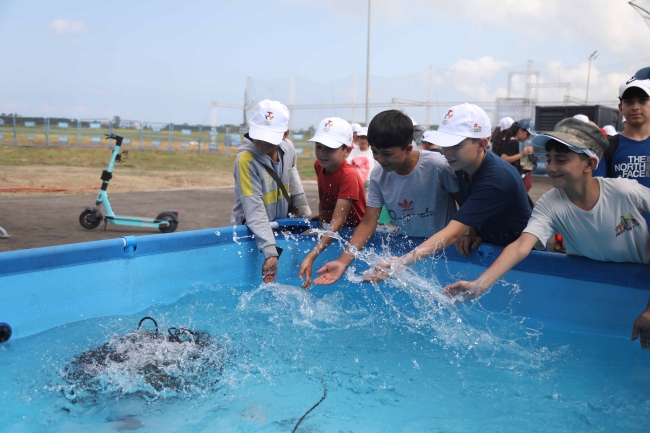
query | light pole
(593,56)
(368,69)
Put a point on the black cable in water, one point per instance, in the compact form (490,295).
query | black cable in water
(322,381)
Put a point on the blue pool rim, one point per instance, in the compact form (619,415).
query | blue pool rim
(131,247)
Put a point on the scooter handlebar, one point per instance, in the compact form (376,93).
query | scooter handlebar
(117,138)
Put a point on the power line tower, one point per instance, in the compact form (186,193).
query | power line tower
(427,119)
(292,97)
(247,96)
(353,96)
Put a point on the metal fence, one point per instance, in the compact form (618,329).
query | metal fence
(156,136)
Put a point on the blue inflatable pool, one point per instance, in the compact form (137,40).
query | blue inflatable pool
(547,349)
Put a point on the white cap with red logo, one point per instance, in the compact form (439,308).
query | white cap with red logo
(269,122)
(333,132)
(461,122)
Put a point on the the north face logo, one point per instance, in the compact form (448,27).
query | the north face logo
(406,205)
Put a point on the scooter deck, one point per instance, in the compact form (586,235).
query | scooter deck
(136,221)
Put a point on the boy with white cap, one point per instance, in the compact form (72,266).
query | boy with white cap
(265,166)
(598,218)
(628,154)
(494,204)
(342,199)
(417,187)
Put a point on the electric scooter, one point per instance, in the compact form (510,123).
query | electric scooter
(166,222)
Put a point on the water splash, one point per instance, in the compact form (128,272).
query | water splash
(147,364)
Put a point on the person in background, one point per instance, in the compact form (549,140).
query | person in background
(627,155)
(418,133)
(417,187)
(598,218)
(427,144)
(582,117)
(342,200)
(361,157)
(265,163)
(514,150)
(494,205)
(609,131)
(355,134)
(496,140)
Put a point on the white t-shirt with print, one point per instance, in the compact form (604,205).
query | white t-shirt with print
(419,203)
(614,230)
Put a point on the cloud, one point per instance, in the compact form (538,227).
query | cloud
(609,24)
(471,77)
(613,25)
(61,26)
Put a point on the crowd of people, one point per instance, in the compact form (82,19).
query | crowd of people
(461,185)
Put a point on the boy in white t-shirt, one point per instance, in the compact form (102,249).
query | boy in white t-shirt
(599,218)
(361,156)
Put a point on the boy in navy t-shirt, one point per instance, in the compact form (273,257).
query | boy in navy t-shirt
(631,158)
(494,205)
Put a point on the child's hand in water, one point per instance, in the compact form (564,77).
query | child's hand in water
(305,270)
(642,328)
(383,271)
(378,274)
(270,269)
(330,272)
(463,290)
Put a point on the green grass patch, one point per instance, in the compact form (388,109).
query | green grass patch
(138,160)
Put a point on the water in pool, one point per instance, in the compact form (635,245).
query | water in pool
(394,358)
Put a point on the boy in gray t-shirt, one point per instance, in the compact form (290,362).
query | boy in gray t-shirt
(420,202)
(418,189)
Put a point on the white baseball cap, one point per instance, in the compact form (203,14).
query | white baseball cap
(582,117)
(634,82)
(333,132)
(461,122)
(505,123)
(269,122)
(363,132)
(427,137)
(610,130)
(355,127)
(413,120)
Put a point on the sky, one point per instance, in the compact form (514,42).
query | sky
(167,61)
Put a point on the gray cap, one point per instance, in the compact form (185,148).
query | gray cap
(575,133)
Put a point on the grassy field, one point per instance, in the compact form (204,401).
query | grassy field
(139,160)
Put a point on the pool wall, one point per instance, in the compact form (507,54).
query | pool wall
(47,287)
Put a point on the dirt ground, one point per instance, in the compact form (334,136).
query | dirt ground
(204,200)
(79,178)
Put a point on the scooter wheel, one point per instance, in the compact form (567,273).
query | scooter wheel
(89,220)
(173,222)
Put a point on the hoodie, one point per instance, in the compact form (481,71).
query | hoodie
(258,199)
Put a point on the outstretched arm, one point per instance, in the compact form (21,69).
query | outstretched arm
(332,271)
(511,255)
(341,212)
(431,246)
